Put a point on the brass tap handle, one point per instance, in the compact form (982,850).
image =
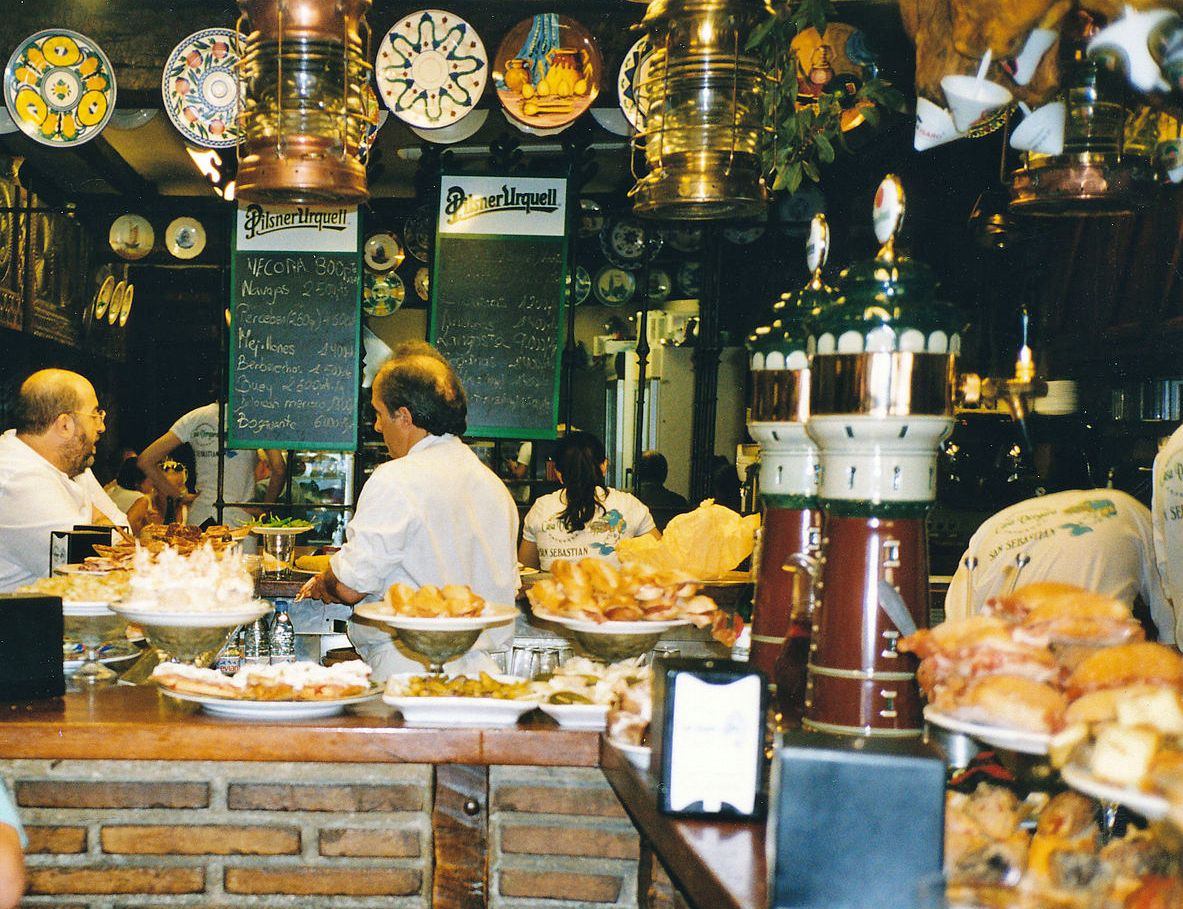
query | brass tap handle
(817,249)
(888,216)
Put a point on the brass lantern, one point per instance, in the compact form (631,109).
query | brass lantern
(703,113)
(304,74)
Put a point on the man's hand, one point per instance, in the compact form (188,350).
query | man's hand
(328,589)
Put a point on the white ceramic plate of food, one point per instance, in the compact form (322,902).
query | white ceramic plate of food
(1021,740)
(237,709)
(213,618)
(577,716)
(421,710)
(637,755)
(1150,806)
(86,607)
(591,627)
(492,615)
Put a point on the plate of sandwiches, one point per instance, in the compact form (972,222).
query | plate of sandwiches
(1024,741)
(285,691)
(1150,805)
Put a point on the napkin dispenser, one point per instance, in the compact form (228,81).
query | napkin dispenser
(708,736)
(854,823)
(31,641)
(69,547)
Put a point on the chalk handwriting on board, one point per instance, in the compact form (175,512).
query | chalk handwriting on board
(294,350)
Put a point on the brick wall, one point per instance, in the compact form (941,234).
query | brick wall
(123,834)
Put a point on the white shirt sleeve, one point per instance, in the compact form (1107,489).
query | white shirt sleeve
(375,539)
(100,499)
(956,606)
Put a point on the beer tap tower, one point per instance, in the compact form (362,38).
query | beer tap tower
(882,380)
(789,541)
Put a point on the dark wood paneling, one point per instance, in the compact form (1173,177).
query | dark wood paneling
(460,829)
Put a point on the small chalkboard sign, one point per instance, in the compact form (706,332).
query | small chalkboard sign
(295,330)
(497,299)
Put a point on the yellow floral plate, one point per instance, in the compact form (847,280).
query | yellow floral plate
(59,87)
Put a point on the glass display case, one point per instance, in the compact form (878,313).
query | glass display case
(322,482)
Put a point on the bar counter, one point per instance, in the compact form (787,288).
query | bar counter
(129,794)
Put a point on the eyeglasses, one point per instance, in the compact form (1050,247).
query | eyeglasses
(173,466)
(100,413)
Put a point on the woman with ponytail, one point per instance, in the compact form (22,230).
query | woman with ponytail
(584,519)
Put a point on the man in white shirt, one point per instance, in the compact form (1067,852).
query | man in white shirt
(199,427)
(1167,513)
(45,478)
(433,515)
(1099,539)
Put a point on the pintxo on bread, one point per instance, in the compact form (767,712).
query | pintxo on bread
(303,681)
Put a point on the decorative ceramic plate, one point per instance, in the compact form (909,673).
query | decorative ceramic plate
(382,294)
(457,711)
(235,709)
(375,117)
(418,232)
(685,239)
(492,615)
(131,236)
(589,627)
(422,283)
(200,88)
(634,70)
(129,294)
(431,68)
(102,299)
(382,252)
(660,285)
(547,71)
(742,236)
(116,305)
(627,243)
(1148,804)
(457,132)
(59,87)
(7,228)
(614,286)
(185,238)
(581,284)
(577,716)
(1019,740)
(690,278)
(591,217)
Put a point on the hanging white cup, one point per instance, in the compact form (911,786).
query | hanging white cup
(934,125)
(972,99)
(1027,60)
(1042,130)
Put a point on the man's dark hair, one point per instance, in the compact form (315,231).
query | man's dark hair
(130,476)
(652,468)
(43,400)
(426,385)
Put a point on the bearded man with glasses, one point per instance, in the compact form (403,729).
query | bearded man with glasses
(45,478)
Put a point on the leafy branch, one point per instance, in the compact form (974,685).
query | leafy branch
(802,140)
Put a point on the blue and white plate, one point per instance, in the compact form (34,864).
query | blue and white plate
(431,68)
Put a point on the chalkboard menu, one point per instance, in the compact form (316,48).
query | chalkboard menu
(295,330)
(497,299)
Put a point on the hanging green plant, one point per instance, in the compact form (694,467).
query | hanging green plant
(805,136)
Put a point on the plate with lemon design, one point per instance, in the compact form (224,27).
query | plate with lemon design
(59,87)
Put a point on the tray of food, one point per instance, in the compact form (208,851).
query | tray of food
(480,700)
(452,607)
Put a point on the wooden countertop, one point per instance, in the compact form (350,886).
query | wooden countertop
(714,864)
(139,723)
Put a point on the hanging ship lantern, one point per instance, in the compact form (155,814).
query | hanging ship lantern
(303,112)
(882,380)
(703,124)
(789,541)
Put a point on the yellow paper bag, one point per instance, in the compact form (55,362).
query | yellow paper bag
(705,543)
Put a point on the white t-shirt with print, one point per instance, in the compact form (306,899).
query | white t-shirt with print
(620,516)
(199,428)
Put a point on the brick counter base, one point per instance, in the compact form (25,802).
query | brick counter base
(155,834)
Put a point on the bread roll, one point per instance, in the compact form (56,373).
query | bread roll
(1016,605)
(1127,664)
(1012,702)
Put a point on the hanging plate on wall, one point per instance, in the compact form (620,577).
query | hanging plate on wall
(627,243)
(423,282)
(634,70)
(131,236)
(59,87)
(129,294)
(382,252)
(116,306)
(102,300)
(200,88)
(660,285)
(614,286)
(431,68)
(690,278)
(581,284)
(547,71)
(418,232)
(382,294)
(185,238)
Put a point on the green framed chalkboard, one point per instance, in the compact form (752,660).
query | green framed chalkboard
(498,300)
(295,337)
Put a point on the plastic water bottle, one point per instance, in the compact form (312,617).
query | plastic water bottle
(230,658)
(283,635)
(256,646)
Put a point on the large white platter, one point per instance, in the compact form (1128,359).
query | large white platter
(1150,806)
(211,619)
(637,755)
(577,716)
(610,627)
(272,710)
(492,615)
(1020,740)
(86,608)
(457,711)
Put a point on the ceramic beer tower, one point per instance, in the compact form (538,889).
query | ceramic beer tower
(881,401)
(790,538)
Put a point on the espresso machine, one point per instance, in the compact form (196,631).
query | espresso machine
(789,540)
(882,381)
